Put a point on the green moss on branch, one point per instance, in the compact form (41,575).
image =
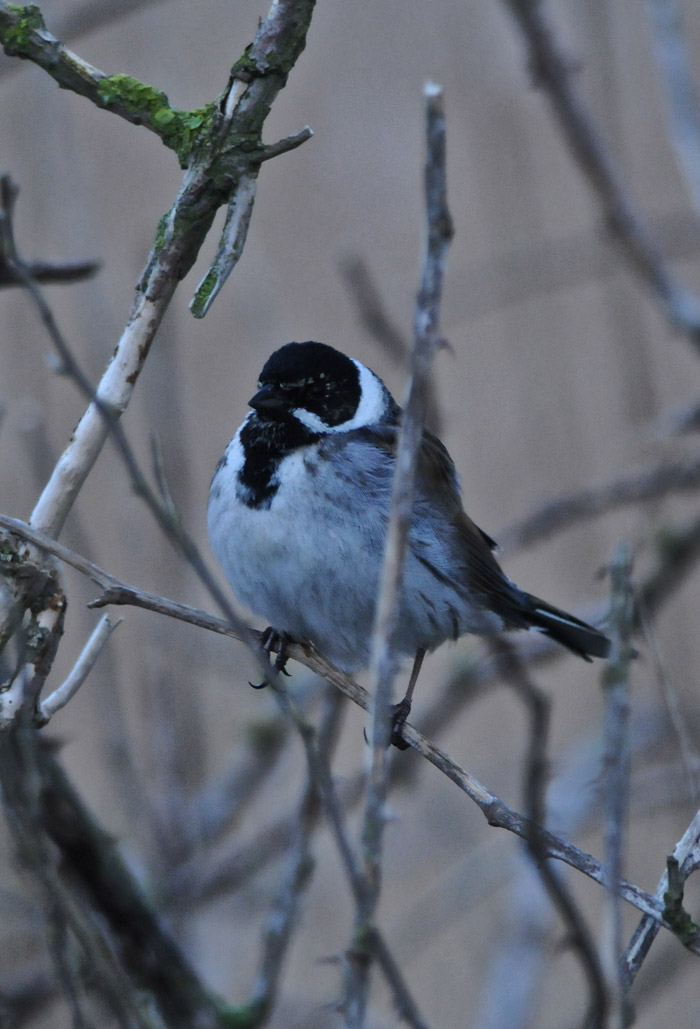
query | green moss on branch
(17,35)
(147,105)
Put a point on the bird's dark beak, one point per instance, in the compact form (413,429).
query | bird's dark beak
(266,401)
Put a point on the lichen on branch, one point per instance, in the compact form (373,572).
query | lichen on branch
(23,34)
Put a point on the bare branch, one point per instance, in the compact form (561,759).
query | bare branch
(562,512)
(553,72)
(283,919)
(48,818)
(233,237)
(370,308)
(40,271)
(616,770)
(669,695)
(165,517)
(80,671)
(496,812)
(213,178)
(535,784)
(221,170)
(372,943)
(648,928)
(377,323)
(283,146)
(23,34)
(383,661)
(672,56)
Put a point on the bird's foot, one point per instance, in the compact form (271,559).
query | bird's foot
(399,714)
(272,640)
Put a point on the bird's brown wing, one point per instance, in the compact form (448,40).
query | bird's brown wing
(469,566)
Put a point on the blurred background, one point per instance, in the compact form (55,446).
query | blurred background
(565,373)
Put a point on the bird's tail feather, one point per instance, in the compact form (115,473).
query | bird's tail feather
(567,630)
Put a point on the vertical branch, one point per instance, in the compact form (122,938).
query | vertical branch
(648,928)
(382,668)
(616,769)
(317,747)
(535,836)
(675,66)
(284,917)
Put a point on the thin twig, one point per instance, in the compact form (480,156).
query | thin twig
(616,762)
(497,813)
(553,72)
(373,943)
(166,518)
(80,671)
(370,307)
(212,179)
(137,953)
(648,928)
(383,659)
(283,919)
(671,50)
(222,802)
(535,784)
(31,806)
(40,271)
(690,756)
(374,317)
(283,146)
(562,512)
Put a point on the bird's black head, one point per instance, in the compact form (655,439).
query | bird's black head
(324,390)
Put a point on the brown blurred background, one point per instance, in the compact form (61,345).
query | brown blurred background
(562,364)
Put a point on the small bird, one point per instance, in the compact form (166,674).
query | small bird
(298,512)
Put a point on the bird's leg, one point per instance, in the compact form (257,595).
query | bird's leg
(274,640)
(401,711)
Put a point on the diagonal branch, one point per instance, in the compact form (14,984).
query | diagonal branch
(560,513)
(553,72)
(46,812)
(222,153)
(648,928)
(496,812)
(222,148)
